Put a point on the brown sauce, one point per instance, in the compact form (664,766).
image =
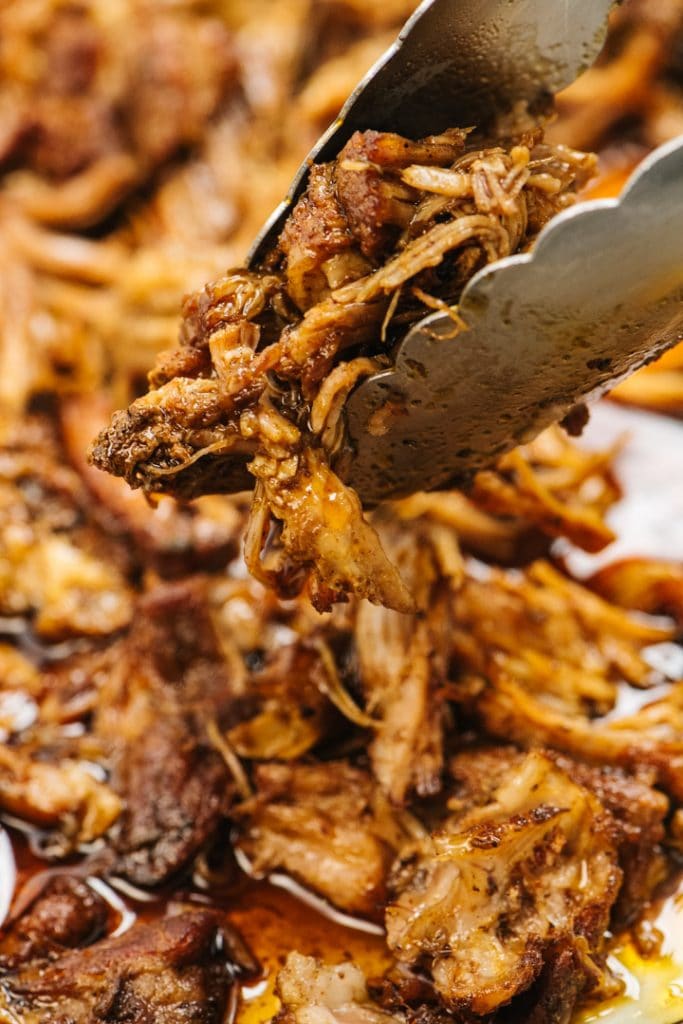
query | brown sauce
(272,919)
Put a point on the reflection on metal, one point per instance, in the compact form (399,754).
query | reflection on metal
(458,63)
(601,293)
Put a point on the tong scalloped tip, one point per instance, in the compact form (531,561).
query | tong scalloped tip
(600,294)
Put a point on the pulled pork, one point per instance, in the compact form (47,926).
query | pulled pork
(403,660)
(389,230)
(160,708)
(90,91)
(490,899)
(313,993)
(327,825)
(637,809)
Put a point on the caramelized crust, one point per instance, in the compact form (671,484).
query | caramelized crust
(488,900)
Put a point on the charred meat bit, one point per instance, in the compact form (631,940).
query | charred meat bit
(176,789)
(65,913)
(169,972)
(174,686)
(173,539)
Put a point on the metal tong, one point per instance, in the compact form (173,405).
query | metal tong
(600,295)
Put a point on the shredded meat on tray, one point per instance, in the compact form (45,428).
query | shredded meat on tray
(103,101)
(313,993)
(483,763)
(638,811)
(386,232)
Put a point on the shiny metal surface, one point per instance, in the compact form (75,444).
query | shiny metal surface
(460,63)
(600,295)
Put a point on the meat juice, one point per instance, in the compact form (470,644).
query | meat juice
(267,915)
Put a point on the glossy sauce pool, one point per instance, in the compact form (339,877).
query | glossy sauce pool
(274,920)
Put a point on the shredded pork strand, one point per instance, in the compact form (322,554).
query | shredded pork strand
(315,993)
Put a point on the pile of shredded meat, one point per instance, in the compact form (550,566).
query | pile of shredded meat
(482,767)
(460,775)
(389,230)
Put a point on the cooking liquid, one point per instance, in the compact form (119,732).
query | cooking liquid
(274,920)
(271,918)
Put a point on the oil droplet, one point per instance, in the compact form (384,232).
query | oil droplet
(654,986)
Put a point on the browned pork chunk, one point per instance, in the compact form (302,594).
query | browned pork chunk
(61,795)
(328,826)
(493,898)
(386,232)
(172,539)
(171,688)
(176,790)
(638,811)
(176,971)
(61,912)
